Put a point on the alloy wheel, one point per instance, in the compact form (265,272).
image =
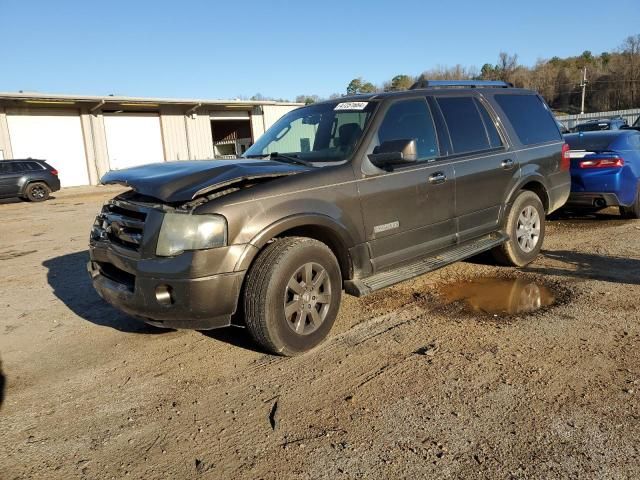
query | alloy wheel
(307,298)
(528,229)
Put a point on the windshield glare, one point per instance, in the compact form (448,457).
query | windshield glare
(327,132)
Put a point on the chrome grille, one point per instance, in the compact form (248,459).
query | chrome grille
(119,225)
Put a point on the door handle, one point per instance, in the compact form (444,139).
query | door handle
(507,164)
(437,178)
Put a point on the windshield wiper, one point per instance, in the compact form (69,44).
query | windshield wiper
(281,157)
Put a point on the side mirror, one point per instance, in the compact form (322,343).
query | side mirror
(394,152)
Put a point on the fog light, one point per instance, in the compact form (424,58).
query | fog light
(164,295)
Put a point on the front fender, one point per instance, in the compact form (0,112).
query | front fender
(338,232)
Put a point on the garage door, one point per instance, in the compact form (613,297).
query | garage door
(54,136)
(133,139)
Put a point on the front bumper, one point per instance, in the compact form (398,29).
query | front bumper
(593,200)
(194,303)
(196,289)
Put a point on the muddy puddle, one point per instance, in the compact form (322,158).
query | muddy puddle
(498,296)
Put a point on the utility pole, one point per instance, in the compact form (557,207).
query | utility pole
(584,89)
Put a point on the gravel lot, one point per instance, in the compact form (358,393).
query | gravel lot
(406,386)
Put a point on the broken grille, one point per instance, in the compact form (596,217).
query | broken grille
(120,226)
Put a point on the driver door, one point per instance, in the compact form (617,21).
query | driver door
(409,211)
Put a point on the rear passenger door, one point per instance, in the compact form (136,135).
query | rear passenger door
(10,174)
(485,168)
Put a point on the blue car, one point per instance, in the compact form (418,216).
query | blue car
(597,124)
(605,170)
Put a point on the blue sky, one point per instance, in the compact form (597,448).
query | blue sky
(281,48)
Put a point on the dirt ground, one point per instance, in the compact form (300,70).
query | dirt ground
(405,387)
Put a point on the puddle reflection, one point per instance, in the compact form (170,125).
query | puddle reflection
(498,295)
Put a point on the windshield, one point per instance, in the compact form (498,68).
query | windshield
(326,132)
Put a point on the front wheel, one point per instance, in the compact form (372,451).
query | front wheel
(525,227)
(292,295)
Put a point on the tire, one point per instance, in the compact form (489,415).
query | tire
(632,211)
(37,192)
(518,251)
(277,283)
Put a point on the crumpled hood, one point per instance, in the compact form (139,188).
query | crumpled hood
(183,181)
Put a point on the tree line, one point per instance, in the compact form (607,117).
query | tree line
(613,79)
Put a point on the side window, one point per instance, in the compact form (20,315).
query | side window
(466,128)
(33,166)
(492,131)
(18,167)
(410,119)
(530,118)
(4,167)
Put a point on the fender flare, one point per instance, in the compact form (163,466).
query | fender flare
(339,234)
(24,182)
(537,178)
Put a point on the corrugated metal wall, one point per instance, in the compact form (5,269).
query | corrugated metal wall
(174,134)
(5,143)
(184,137)
(272,113)
(199,136)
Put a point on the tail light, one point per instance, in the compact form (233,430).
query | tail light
(565,162)
(608,161)
(54,172)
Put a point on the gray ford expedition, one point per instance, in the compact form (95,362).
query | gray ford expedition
(353,194)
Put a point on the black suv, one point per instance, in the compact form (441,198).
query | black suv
(598,124)
(352,194)
(30,179)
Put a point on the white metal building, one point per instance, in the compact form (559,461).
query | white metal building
(83,137)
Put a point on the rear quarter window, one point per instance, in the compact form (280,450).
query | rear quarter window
(33,166)
(530,118)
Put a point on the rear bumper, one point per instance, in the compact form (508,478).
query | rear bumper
(593,200)
(54,184)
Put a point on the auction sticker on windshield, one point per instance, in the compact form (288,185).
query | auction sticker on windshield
(351,106)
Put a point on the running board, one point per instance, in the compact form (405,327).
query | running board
(363,286)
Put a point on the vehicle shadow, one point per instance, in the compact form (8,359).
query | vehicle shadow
(2,384)
(610,214)
(589,266)
(7,201)
(71,283)
(234,335)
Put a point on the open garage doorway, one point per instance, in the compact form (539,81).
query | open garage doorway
(231,133)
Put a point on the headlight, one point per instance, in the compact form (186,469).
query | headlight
(181,231)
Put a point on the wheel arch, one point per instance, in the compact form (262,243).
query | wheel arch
(26,181)
(536,185)
(317,226)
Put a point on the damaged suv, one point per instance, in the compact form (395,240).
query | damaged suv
(353,194)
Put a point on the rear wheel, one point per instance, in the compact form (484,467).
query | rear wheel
(292,295)
(37,192)
(525,227)
(632,211)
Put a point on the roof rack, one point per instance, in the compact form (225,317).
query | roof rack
(460,84)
